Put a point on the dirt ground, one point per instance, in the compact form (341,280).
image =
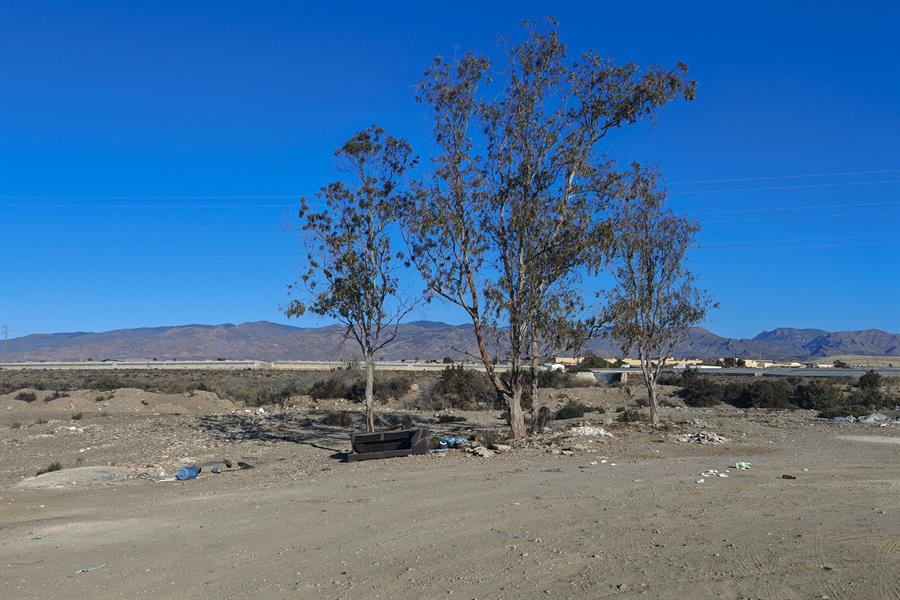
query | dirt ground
(619,516)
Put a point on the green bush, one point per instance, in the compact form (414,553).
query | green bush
(574,410)
(450,419)
(26,396)
(871,380)
(818,395)
(55,466)
(765,393)
(701,392)
(592,361)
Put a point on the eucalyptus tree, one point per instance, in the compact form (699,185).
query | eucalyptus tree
(655,301)
(351,273)
(513,209)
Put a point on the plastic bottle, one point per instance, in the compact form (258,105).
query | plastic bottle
(185,473)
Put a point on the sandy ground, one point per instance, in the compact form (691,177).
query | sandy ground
(525,524)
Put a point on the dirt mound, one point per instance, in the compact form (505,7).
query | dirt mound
(121,401)
(77,476)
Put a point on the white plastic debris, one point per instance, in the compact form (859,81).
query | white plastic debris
(744,466)
(874,418)
(703,437)
(590,430)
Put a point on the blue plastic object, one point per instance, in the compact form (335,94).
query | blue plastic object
(185,473)
(455,442)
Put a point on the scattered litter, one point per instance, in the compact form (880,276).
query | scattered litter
(441,451)
(788,477)
(743,466)
(875,418)
(594,462)
(714,473)
(89,569)
(700,480)
(455,442)
(479,451)
(590,430)
(244,466)
(703,437)
(850,419)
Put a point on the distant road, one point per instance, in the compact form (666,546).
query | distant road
(230,365)
(396,365)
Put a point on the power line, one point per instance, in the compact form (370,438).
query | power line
(160,197)
(789,208)
(806,217)
(800,246)
(783,187)
(773,177)
(792,240)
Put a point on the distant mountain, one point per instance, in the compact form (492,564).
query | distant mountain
(262,340)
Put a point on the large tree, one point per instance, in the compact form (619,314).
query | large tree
(513,209)
(350,274)
(655,301)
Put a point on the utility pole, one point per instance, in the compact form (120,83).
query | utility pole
(5,329)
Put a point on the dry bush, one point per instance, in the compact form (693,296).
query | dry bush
(459,388)
(338,419)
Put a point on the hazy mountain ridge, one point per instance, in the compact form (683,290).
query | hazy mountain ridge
(263,340)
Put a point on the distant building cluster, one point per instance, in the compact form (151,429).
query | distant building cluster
(683,363)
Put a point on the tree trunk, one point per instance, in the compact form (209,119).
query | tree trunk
(370,393)
(516,414)
(651,392)
(535,404)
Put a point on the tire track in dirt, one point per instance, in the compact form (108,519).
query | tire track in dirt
(889,569)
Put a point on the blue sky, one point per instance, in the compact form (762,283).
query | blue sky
(124,124)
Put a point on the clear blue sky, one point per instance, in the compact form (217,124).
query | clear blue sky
(110,111)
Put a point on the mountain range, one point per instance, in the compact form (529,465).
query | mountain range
(263,340)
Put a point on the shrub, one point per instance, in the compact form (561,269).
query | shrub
(592,361)
(333,387)
(447,360)
(383,390)
(15,425)
(487,438)
(574,410)
(767,394)
(461,388)
(76,417)
(817,395)
(26,396)
(871,380)
(670,378)
(338,419)
(541,419)
(634,415)
(55,466)
(560,379)
(450,419)
(700,391)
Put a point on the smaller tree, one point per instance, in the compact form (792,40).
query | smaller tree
(351,265)
(655,302)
